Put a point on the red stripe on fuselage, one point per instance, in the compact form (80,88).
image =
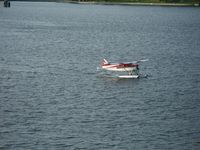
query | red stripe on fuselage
(120,65)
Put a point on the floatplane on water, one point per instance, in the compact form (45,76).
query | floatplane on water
(130,68)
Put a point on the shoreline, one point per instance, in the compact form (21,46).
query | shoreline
(135,4)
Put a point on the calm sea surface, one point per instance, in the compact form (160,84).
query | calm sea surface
(51,96)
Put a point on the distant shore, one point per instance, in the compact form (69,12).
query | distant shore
(135,3)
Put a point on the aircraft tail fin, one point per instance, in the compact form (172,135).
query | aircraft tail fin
(104,62)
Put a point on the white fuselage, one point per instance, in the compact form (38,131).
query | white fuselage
(114,67)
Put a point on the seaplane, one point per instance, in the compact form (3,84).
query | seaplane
(131,69)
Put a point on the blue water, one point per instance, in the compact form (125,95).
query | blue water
(51,96)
